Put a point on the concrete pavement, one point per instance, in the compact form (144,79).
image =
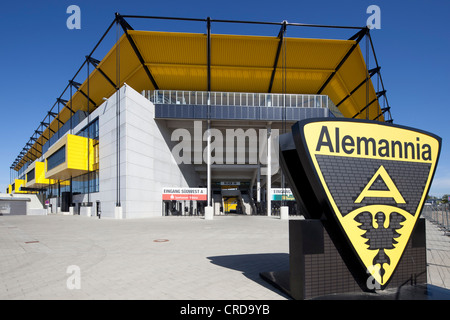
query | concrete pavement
(75,257)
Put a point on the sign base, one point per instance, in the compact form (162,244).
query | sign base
(280,280)
(318,269)
(209,213)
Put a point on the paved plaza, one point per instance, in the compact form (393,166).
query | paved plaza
(183,258)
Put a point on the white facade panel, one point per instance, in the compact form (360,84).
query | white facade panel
(146,161)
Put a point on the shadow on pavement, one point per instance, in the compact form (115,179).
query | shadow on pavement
(251,265)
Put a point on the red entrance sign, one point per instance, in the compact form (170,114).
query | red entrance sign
(198,194)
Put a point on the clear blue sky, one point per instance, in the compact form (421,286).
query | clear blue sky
(39,54)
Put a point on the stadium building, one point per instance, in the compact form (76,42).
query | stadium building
(174,123)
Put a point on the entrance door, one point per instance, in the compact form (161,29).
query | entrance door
(230,197)
(230,204)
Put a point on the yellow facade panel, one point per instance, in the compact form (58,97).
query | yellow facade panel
(18,183)
(76,157)
(39,175)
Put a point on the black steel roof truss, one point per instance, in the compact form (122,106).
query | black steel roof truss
(368,105)
(277,56)
(77,86)
(64,103)
(126,27)
(74,84)
(358,37)
(55,115)
(95,62)
(371,73)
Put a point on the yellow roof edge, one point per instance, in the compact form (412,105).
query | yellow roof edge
(223,35)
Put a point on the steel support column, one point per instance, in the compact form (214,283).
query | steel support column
(208,142)
(208,39)
(269,172)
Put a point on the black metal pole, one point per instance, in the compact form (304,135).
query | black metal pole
(208,27)
(367,73)
(119,21)
(208,165)
(243,21)
(88,143)
(71,110)
(59,133)
(277,55)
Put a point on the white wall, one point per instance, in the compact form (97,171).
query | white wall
(107,153)
(146,161)
(33,207)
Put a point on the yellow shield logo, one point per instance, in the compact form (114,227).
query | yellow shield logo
(374,178)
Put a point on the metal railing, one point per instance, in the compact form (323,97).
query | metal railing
(237,99)
(439,214)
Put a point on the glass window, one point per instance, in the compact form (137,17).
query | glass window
(86,183)
(56,158)
(90,131)
(64,186)
(78,184)
(52,191)
(30,175)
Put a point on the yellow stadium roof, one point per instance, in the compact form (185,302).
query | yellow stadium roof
(238,63)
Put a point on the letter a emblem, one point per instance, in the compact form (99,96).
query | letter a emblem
(371,198)
(391,192)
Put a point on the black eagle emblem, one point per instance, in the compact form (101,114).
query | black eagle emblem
(380,238)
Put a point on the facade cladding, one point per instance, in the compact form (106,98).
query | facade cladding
(191,115)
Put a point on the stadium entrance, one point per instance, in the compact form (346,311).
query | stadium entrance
(235,198)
